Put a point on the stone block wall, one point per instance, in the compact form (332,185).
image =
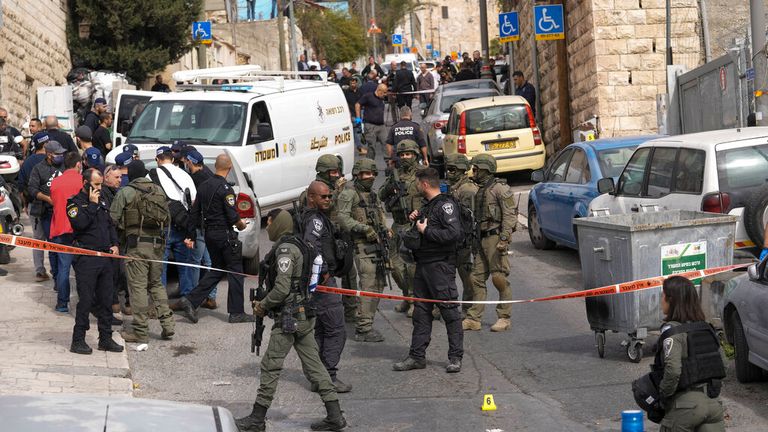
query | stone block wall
(459,32)
(259,40)
(33,53)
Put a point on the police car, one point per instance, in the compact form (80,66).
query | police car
(274,125)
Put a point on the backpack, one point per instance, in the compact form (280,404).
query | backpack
(179,213)
(467,222)
(152,207)
(268,266)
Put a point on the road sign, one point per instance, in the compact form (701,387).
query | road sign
(436,54)
(397,39)
(509,27)
(750,73)
(548,22)
(454,55)
(201,32)
(406,50)
(429,47)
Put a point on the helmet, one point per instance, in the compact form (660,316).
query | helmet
(364,164)
(457,160)
(485,161)
(407,145)
(327,162)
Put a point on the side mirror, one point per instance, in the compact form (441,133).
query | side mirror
(444,130)
(605,185)
(753,273)
(537,176)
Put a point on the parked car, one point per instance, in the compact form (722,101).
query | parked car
(746,323)
(435,116)
(502,126)
(569,183)
(720,171)
(482,83)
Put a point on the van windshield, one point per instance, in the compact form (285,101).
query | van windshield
(204,122)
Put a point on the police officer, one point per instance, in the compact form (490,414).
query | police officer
(143,239)
(214,212)
(318,230)
(406,129)
(463,190)
(439,231)
(93,229)
(287,267)
(496,216)
(401,199)
(690,382)
(360,214)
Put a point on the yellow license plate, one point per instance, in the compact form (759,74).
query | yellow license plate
(504,145)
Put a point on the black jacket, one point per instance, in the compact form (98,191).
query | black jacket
(92,226)
(214,207)
(317,230)
(443,231)
(404,81)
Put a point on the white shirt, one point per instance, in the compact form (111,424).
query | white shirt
(181,177)
(311,63)
(436,78)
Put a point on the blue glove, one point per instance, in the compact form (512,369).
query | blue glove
(763,254)
(358,120)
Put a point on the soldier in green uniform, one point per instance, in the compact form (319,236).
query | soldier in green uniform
(463,189)
(329,171)
(288,285)
(496,216)
(360,214)
(143,239)
(401,197)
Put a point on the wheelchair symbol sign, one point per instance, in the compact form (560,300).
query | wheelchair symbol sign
(549,22)
(201,31)
(509,28)
(397,39)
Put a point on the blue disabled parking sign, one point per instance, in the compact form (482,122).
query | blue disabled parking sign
(397,39)
(509,27)
(201,31)
(548,22)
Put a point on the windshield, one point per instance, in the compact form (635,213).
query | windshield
(497,118)
(447,100)
(612,161)
(200,122)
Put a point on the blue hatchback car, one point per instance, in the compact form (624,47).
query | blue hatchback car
(566,186)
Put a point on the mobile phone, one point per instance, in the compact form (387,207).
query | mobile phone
(88,189)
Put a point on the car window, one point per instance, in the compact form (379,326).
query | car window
(612,161)
(631,180)
(660,178)
(557,170)
(260,129)
(447,101)
(742,167)
(497,118)
(689,172)
(578,169)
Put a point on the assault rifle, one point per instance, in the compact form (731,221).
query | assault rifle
(399,191)
(383,264)
(258,294)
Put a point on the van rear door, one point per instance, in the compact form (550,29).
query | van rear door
(129,105)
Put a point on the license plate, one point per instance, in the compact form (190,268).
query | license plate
(504,145)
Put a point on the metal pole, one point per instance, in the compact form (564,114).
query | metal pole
(535,57)
(669,33)
(705,30)
(294,54)
(484,30)
(375,35)
(281,35)
(757,25)
(510,67)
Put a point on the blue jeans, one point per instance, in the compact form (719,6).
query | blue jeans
(181,254)
(200,256)
(46,221)
(63,264)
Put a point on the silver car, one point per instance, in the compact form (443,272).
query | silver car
(745,321)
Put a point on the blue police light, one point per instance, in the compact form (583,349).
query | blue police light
(632,421)
(236,87)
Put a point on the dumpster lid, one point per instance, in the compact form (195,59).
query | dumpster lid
(658,220)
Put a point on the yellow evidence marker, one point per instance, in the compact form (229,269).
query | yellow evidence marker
(488,403)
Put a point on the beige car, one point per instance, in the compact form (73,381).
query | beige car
(502,126)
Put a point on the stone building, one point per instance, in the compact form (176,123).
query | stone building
(450,25)
(33,53)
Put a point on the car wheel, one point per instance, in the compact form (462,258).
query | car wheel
(745,371)
(251,265)
(539,240)
(756,215)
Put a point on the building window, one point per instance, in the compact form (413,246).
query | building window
(445,12)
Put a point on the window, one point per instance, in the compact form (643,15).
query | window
(445,12)
(660,177)
(578,169)
(742,167)
(453,125)
(631,180)
(497,118)
(130,108)
(196,121)
(612,161)
(261,126)
(557,170)
(448,100)
(689,173)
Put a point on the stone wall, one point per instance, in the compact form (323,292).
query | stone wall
(259,39)
(460,32)
(33,53)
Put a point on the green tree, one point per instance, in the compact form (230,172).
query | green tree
(334,35)
(137,37)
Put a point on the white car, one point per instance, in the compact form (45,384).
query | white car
(722,171)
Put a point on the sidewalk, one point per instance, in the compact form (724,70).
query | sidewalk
(35,340)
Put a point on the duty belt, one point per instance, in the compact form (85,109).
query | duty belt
(490,232)
(153,240)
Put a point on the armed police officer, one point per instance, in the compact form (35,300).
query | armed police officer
(463,190)
(287,299)
(401,198)
(496,217)
(434,248)
(214,213)
(361,215)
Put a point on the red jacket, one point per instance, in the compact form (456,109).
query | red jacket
(63,187)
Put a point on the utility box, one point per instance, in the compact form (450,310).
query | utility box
(627,247)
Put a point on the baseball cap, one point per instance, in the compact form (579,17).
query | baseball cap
(39,139)
(100,101)
(123,159)
(92,158)
(195,157)
(130,148)
(54,147)
(84,133)
(162,149)
(177,146)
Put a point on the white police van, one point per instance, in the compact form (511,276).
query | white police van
(275,125)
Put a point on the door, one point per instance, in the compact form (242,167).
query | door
(550,193)
(568,194)
(629,186)
(130,103)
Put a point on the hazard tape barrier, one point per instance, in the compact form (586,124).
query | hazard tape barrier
(30,243)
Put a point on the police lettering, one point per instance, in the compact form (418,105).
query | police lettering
(404,131)
(318,143)
(342,138)
(265,155)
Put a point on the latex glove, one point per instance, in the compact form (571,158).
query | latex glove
(358,120)
(259,310)
(502,246)
(370,234)
(763,254)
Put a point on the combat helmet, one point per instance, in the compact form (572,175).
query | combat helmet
(485,161)
(327,162)
(364,164)
(407,145)
(457,160)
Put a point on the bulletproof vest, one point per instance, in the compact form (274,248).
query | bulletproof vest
(488,213)
(299,285)
(704,365)
(147,213)
(394,206)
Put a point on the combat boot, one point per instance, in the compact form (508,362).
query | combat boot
(334,420)
(80,347)
(470,324)
(108,344)
(188,309)
(501,324)
(454,365)
(339,385)
(370,336)
(255,421)
(409,363)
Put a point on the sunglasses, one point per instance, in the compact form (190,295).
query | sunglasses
(329,196)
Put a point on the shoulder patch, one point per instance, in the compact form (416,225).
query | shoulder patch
(284,264)
(230,200)
(448,208)
(72,211)
(318,224)
(668,343)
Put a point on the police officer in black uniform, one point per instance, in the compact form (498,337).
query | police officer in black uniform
(406,129)
(438,230)
(93,229)
(214,212)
